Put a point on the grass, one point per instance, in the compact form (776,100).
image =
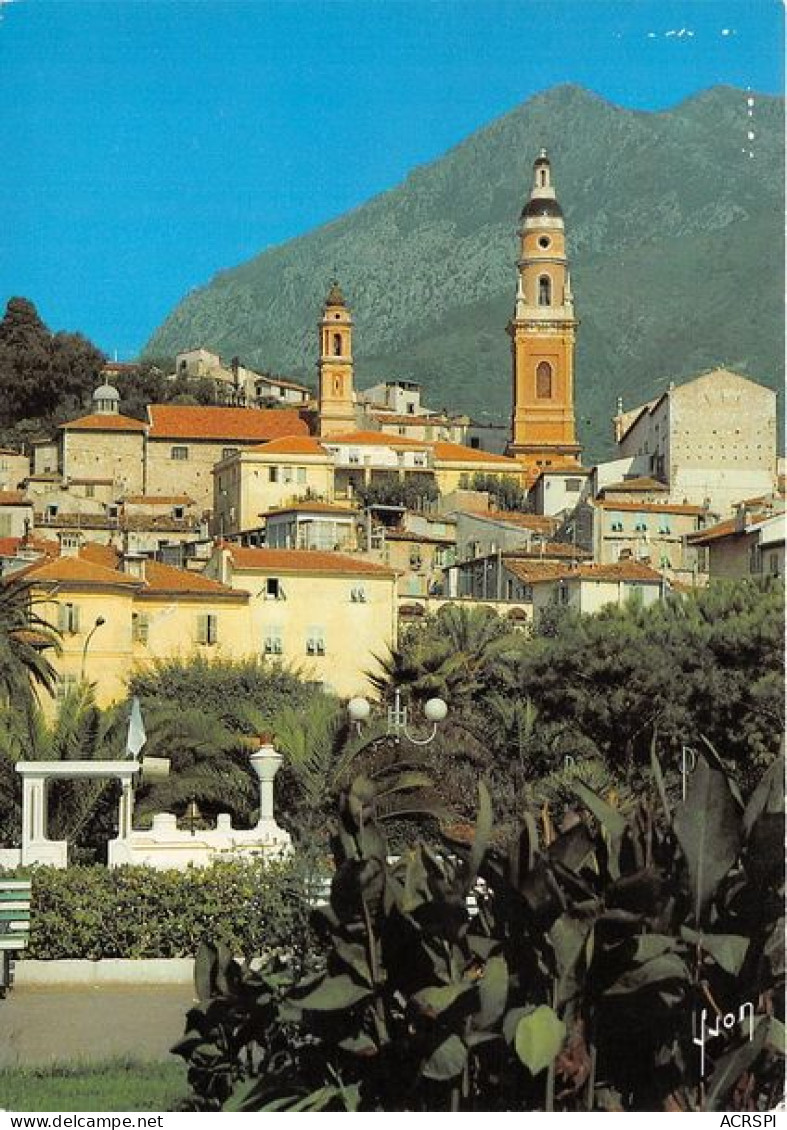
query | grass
(117,1084)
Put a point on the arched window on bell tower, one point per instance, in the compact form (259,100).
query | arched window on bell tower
(337,345)
(544,291)
(543,178)
(544,380)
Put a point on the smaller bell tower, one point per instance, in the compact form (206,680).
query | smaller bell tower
(336,394)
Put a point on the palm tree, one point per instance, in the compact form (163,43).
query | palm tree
(461,654)
(24,637)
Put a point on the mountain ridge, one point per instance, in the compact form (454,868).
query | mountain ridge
(425,262)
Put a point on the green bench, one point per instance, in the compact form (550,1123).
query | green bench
(14,925)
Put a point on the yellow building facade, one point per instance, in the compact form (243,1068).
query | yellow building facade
(326,614)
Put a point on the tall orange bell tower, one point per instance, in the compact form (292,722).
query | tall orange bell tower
(543,335)
(336,407)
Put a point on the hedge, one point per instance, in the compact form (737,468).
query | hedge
(95,912)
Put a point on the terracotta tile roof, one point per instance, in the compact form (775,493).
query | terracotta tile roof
(13,498)
(290,445)
(650,507)
(539,523)
(378,439)
(535,569)
(311,508)
(458,453)
(249,425)
(616,571)
(641,482)
(98,422)
(728,528)
(159,579)
(303,561)
(67,570)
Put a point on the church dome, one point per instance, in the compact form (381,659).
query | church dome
(106,392)
(542,206)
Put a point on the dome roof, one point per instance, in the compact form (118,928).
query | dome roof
(106,392)
(542,206)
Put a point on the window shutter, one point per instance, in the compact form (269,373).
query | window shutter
(202,628)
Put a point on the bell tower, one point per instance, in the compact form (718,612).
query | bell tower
(543,334)
(336,395)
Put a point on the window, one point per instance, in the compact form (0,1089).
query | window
(773,564)
(273,644)
(140,627)
(358,595)
(315,641)
(273,589)
(227,452)
(664,526)
(544,291)
(544,380)
(563,594)
(68,618)
(544,242)
(755,559)
(475,442)
(65,684)
(273,474)
(207,628)
(90,490)
(287,474)
(573,485)
(337,345)
(179,453)
(300,474)
(354,457)
(419,458)
(416,560)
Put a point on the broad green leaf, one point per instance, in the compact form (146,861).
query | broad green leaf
(568,936)
(436,999)
(612,823)
(483,830)
(334,993)
(573,847)
(727,950)
(511,1022)
(768,797)
(708,828)
(415,884)
(716,762)
(666,967)
(731,1066)
(777,1036)
(651,946)
(360,1045)
(447,1061)
(539,1038)
(658,776)
(492,992)
(353,954)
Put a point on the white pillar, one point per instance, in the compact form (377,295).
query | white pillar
(265,763)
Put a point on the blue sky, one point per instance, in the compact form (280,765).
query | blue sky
(148,144)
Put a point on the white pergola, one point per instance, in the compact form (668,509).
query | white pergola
(36,846)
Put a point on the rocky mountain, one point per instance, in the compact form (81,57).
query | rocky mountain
(675,235)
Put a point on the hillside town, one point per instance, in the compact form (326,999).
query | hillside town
(312,528)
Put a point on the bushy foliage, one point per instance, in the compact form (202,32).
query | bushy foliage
(594,958)
(223,689)
(135,912)
(505,492)
(412,491)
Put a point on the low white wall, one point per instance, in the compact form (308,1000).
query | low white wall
(107,971)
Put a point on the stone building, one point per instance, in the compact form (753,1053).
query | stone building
(711,440)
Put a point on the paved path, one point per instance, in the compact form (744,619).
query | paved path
(48,1025)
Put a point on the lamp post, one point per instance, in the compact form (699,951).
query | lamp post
(99,622)
(397,717)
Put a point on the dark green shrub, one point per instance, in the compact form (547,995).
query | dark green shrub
(136,912)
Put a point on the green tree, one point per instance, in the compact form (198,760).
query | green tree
(24,638)
(41,373)
(504,490)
